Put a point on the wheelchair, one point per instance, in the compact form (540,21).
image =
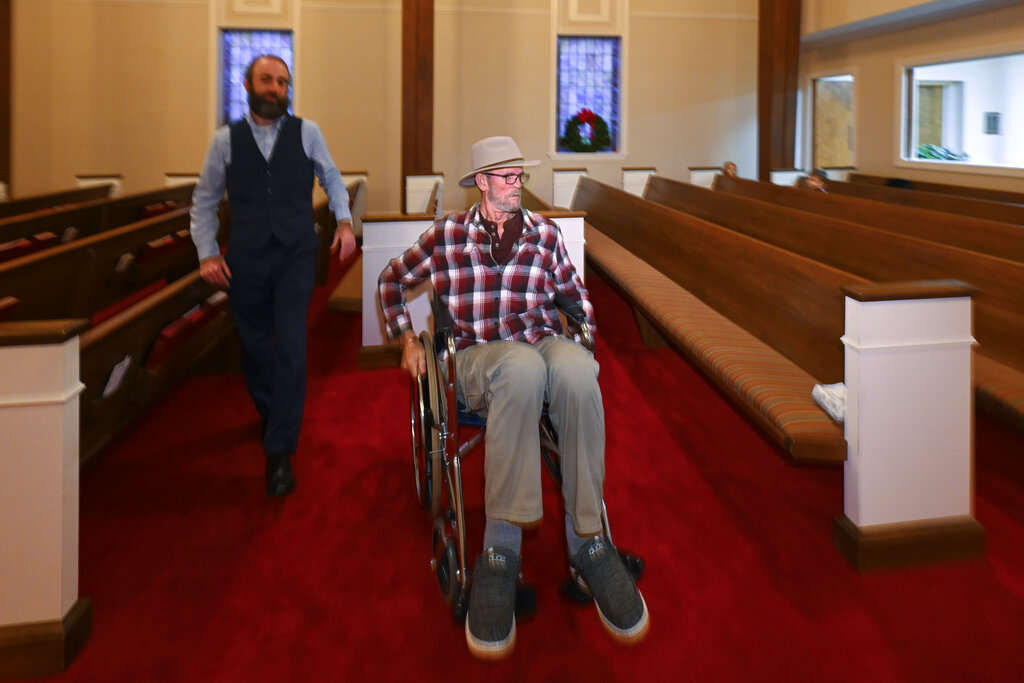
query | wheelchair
(435,418)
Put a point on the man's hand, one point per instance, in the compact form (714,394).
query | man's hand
(414,357)
(215,271)
(345,238)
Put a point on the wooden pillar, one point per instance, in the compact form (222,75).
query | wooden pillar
(778,62)
(6,19)
(417,89)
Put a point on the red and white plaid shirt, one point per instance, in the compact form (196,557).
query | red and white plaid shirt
(488,301)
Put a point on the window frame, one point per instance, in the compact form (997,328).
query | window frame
(223,115)
(557,126)
(903,124)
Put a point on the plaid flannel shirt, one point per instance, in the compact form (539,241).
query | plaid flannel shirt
(488,301)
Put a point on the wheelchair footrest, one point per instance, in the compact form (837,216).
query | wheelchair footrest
(526,601)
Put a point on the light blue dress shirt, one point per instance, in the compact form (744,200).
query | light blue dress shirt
(213,179)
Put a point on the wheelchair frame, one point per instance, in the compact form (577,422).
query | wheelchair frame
(437,453)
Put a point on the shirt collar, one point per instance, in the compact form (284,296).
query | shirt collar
(278,122)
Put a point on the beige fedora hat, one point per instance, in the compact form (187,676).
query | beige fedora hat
(489,154)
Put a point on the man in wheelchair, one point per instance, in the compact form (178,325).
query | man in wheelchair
(496,268)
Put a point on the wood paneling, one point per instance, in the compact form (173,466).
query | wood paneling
(6,18)
(778,54)
(417,88)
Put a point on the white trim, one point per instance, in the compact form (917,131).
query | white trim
(693,16)
(603,15)
(242,7)
(47,400)
(169,3)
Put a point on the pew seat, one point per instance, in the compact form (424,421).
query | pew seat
(771,389)
(999,389)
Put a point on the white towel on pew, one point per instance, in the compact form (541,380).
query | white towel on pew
(832,399)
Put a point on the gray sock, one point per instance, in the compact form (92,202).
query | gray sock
(498,532)
(575,542)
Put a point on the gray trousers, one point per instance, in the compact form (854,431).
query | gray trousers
(508,382)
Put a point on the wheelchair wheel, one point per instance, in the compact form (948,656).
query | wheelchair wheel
(425,411)
(445,561)
(549,449)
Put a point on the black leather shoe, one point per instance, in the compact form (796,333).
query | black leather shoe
(280,480)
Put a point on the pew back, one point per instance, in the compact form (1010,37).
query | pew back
(78,279)
(871,253)
(96,216)
(790,302)
(942,188)
(986,237)
(963,206)
(49,200)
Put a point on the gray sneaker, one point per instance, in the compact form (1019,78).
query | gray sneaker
(599,571)
(491,621)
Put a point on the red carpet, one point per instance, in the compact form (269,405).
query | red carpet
(196,576)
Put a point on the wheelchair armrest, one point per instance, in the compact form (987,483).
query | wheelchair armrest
(574,312)
(572,309)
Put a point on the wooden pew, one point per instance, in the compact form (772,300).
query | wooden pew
(49,200)
(880,256)
(130,359)
(765,324)
(934,201)
(93,217)
(985,237)
(1005,196)
(82,278)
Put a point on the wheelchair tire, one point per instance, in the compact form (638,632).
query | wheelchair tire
(434,400)
(426,443)
(549,449)
(445,561)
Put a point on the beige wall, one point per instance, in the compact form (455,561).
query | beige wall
(127,86)
(875,65)
(819,15)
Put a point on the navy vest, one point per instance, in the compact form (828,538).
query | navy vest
(270,197)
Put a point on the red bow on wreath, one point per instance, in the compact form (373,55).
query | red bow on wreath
(587,117)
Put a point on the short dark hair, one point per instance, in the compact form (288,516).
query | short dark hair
(820,173)
(248,69)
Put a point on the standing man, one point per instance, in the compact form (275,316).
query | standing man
(266,163)
(496,267)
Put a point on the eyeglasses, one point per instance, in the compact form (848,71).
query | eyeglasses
(511,178)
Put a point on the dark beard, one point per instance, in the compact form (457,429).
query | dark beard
(268,110)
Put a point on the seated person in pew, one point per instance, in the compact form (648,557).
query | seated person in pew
(270,264)
(496,267)
(729,169)
(816,180)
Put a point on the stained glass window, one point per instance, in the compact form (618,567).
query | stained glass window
(238,49)
(588,81)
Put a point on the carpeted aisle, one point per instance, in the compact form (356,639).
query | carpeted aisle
(196,576)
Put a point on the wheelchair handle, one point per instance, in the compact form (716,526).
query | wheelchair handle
(572,309)
(443,322)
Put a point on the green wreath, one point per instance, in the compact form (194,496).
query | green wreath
(574,141)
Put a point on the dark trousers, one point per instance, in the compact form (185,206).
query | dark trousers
(269,299)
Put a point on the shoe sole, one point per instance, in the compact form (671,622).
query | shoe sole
(629,636)
(491,650)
